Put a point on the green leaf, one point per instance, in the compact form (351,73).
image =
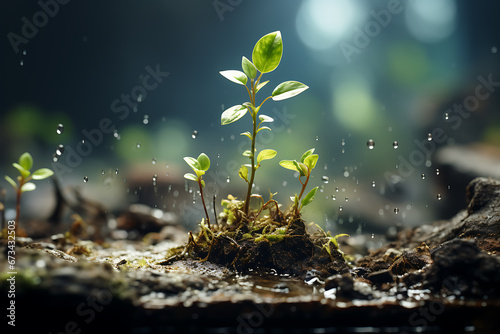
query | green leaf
(248,67)
(266,155)
(191,177)
(263,128)
(306,154)
(247,153)
(301,167)
(243,173)
(24,173)
(309,197)
(265,118)
(288,164)
(202,184)
(334,239)
(29,186)
(235,76)
(311,161)
(204,161)
(199,173)
(42,173)
(26,161)
(267,52)
(288,89)
(11,181)
(259,86)
(193,163)
(233,114)
(247,133)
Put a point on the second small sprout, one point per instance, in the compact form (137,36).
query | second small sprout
(199,166)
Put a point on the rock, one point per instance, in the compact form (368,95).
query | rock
(381,277)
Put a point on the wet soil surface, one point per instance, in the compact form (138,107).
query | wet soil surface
(435,278)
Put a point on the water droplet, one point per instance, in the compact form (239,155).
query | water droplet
(153,161)
(140,98)
(334,197)
(494,49)
(103,172)
(60,150)
(429,136)
(317,138)
(437,171)
(438,197)
(138,145)
(55,157)
(325,179)
(21,63)
(346,173)
(24,52)
(343,142)
(347,199)
(85,179)
(59,129)
(422,176)
(146,117)
(116,135)
(336,189)
(285,183)
(341,208)
(373,184)
(371,144)
(395,144)
(373,235)
(155,178)
(446,116)
(228,179)
(396,210)
(116,171)
(195,134)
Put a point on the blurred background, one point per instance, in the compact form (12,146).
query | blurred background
(112,95)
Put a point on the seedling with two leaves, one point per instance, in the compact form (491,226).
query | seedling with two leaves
(304,167)
(23,184)
(199,165)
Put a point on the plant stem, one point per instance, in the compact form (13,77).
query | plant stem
(252,161)
(203,201)
(304,185)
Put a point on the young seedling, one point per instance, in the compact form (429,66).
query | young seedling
(304,168)
(199,166)
(23,180)
(266,57)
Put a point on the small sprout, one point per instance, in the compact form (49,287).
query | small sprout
(199,166)
(266,57)
(23,184)
(304,167)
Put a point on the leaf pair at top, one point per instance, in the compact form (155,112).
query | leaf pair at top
(24,165)
(199,166)
(305,166)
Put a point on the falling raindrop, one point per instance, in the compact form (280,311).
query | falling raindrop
(446,116)
(395,144)
(396,210)
(373,184)
(24,52)
(228,179)
(429,136)
(55,157)
(422,176)
(138,145)
(437,171)
(155,179)
(60,129)
(340,208)
(103,172)
(285,183)
(139,98)
(347,199)
(343,142)
(494,49)
(60,150)
(85,179)
(153,161)
(317,138)
(438,197)
(325,179)
(334,197)
(146,117)
(21,62)
(336,189)
(346,173)
(116,171)
(195,134)
(371,144)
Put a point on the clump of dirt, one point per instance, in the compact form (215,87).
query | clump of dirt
(276,242)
